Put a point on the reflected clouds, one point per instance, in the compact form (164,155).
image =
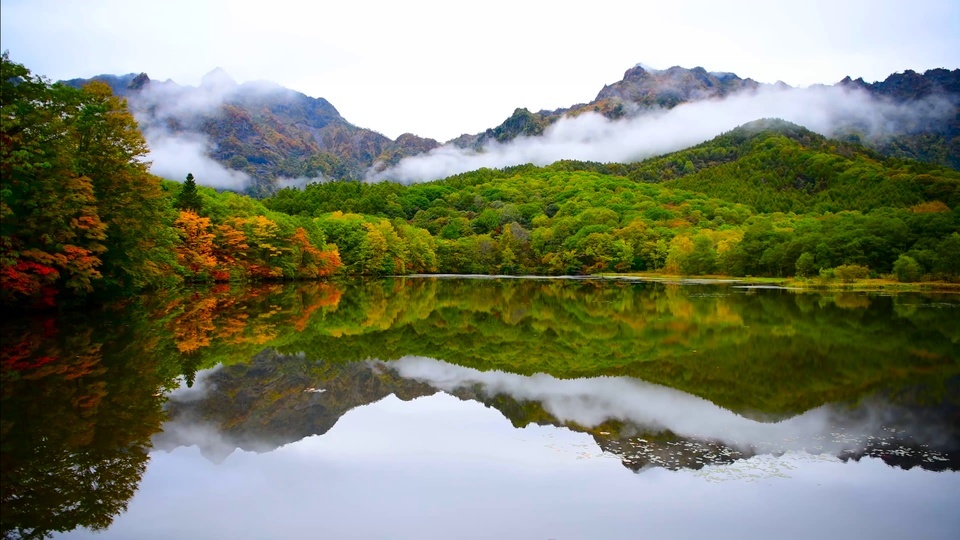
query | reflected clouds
(439,467)
(654,408)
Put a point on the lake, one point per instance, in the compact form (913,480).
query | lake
(485,408)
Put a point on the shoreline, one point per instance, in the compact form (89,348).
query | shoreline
(789,283)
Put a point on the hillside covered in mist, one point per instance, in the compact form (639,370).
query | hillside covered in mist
(258,137)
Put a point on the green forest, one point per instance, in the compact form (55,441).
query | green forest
(82,218)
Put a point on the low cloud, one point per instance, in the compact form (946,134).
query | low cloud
(173,156)
(168,101)
(200,388)
(300,182)
(175,152)
(592,137)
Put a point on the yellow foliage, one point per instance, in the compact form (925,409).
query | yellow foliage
(929,207)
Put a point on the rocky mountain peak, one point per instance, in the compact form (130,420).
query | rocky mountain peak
(139,82)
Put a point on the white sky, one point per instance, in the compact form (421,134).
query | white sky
(443,68)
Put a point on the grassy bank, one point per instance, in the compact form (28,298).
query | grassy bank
(869,284)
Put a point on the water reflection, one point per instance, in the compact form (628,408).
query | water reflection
(257,408)
(78,412)
(731,376)
(441,467)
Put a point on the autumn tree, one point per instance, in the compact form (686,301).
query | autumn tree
(51,232)
(195,252)
(110,151)
(80,213)
(312,262)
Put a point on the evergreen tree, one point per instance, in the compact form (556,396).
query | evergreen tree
(188,198)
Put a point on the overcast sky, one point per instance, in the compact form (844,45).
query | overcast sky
(440,69)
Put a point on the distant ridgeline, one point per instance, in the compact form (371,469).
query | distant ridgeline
(83,217)
(274,134)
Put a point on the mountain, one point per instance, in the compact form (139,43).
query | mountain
(935,139)
(269,132)
(276,135)
(641,89)
(308,398)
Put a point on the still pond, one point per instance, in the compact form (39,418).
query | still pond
(485,408)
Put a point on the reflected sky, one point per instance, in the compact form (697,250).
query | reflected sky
(440,467)
(650,407)
(645,424)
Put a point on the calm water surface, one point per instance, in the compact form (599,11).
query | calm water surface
(439,408)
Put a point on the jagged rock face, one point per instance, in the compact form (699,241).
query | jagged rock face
(912,85)
(271,133)
(120,84)
(673,86)
(264,130)
(643,89)
(139,82)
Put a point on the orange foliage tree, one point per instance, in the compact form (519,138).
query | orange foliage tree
(195,253)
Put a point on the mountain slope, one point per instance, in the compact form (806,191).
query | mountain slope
(274,134)
(933,138)
(776,166)
(264,130)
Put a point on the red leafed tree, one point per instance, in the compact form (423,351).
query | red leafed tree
(311,261)
(51,233)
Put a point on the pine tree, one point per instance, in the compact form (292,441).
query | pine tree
(188,198)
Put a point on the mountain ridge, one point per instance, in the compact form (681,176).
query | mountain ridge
(273,133)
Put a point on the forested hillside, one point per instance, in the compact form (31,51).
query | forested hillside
(776,166)
(82,216)
(566,219)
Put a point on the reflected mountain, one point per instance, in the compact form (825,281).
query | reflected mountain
(759,352)
(669,375)
(272,401)
(278,399)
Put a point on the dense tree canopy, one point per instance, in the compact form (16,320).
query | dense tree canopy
(569,218)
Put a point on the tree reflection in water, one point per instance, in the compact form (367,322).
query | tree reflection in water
(83,395)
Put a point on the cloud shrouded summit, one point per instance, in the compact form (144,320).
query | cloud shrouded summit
(261,136)
(592,137)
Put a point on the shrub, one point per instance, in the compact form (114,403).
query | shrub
(907,269)
(849,273)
